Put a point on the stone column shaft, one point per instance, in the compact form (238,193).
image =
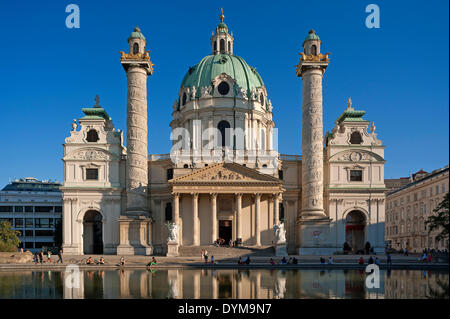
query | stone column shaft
(176,208)
(214,235)
(238,216)
(276,210)
(195,228)
(257,219)
(312,145)
(137,164)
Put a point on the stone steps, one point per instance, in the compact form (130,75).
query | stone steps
(195,251)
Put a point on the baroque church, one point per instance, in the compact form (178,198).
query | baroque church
(223,178)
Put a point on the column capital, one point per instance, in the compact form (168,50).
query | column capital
(213,195)
(176,194)
(238,194)
(194,196)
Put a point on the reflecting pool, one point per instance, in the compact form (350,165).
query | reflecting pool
(222,284)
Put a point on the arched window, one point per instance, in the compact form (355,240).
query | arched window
(261,99)
(223,127)
(92,136)
(184,98)
(222,46)
(229,46)
(313,50)
(355,138)
(135,48)
(223,88)
(215,46)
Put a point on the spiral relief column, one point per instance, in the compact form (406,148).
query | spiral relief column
(313,220)
(135,220)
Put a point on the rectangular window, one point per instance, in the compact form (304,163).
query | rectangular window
(437,189)
(44,232)
(29,233)
(42,222)
(280,174)
(92,174)
(415,196)
(29,222)
(356,176)
(43,209)
(28,209)
(58,209)
(28,245)
(19,222)
(6,209)
(18,209)
(443,188)
(408,199)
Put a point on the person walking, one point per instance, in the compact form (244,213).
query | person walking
(49,256)
(389,260)
(59,256)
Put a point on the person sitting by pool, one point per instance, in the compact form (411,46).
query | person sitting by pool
(284,261)
(122,261)
(361,261)
(322,260)
(272,262)
(151,262)
(330,260)
(247,261)
(240,261)
(212,260)
(101,261)
(294,261)
(90,261)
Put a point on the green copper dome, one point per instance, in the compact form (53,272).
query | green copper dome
(136,34)
(202,74)
(312,36)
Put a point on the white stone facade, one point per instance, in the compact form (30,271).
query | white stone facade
(238,191)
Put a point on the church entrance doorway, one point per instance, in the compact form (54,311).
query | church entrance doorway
(225,230)
(355,231)
(92,233)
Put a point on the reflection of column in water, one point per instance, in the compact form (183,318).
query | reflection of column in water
(196,285)
(280,286)
(143,284)
(214,286)
(258,284)
(124,283)
(174,283)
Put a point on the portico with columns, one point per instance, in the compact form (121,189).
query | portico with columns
(228,201)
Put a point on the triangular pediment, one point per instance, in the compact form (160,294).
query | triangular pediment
(226,173)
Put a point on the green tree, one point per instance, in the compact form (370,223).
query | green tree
(8,237)
(440,220)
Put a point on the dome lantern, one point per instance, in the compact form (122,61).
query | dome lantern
(222,41)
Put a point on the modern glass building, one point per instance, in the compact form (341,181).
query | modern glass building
(34,208)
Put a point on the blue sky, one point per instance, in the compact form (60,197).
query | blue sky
(397,73)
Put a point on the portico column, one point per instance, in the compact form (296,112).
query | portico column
(238,215)
(195,235)
(257,219)
(176,208)
(214,217)
(276,209)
